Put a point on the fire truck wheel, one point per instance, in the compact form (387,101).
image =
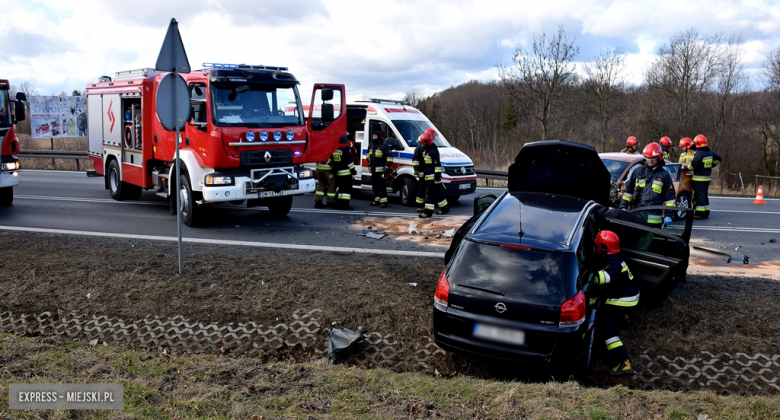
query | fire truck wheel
(409,192)
(6,196)
(119,189)
(280,206)
(190,213)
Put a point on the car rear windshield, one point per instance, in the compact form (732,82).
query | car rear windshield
(615,168)
(526,276)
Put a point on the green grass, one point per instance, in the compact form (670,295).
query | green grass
(198,386)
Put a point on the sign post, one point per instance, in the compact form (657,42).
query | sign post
(173,106)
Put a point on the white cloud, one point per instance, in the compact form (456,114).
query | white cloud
(376,48)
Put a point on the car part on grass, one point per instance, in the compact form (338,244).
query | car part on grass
(728,257)
(723,373)
(343,339)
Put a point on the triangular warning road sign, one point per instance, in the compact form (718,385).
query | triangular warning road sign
(172,55)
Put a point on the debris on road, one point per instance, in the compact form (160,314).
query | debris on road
(773,240)
(412,229)
(745,260)
(369,233)
(728,257)
(449,233)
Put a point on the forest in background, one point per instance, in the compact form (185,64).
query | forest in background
(696,85)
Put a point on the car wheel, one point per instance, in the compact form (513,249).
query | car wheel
(409,192)
(280,206)
(190,213)
(683,200)
(6,196)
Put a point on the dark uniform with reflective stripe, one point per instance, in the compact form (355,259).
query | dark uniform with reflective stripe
(665,152)
(434,190)
(344,168)
(701,165)
(620,294)
(380,159)
(649,187)
(325,184)
(419,173)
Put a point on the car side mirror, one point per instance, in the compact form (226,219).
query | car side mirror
(21,96)
(326,112)
(327,94)
(482,202)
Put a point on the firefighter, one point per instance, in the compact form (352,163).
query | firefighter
(632,145)
(434,191)
(650,185)
(417,167)
(620,294)
(666,146)
(689,150)
(326,184)
(380,160)
(344,168)
(703,161)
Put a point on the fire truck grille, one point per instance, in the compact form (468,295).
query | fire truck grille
(266,158)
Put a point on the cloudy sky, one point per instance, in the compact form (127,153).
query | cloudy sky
(377,48)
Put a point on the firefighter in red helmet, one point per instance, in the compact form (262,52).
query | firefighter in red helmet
(418,168)
(666,146)
(703,161)
(650,185)
(689,151)
(434,190)
(621,294)
(632,145)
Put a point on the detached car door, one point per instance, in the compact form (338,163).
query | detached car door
(658,258)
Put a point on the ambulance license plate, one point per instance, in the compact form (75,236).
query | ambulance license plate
(265,194)
(500,334)
(464,186)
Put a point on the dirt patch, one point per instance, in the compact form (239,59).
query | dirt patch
(769,270)
(436,231)
(132,280)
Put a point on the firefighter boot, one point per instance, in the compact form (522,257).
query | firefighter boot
(420,210)
(319,205)
(623,368)
(383,205)
(443,210)
(375,202)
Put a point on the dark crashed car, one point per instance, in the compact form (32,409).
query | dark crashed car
(519,278)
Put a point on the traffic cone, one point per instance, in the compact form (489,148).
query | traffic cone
(760,196)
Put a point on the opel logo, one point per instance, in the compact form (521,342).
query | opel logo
(500,307)
(267,156)
(463,170)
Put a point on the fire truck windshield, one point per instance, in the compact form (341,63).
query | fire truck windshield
(5,111)
(411,130)
(254,105)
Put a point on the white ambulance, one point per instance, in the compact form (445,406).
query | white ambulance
(405,124)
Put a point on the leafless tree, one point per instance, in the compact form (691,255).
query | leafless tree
(413,97)
(605,87)
(538,76)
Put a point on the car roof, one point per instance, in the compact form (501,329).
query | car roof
(560,167)
(623,157)
(548,220)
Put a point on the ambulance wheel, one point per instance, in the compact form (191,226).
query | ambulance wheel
(280,206)
(119,189)
(190,213)
(409,192)
(6,196)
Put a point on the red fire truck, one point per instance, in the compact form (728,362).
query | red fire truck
(9,143)
(238,145)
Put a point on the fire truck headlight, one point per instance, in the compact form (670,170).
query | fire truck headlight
(11,166)
(305,174)
(215,180)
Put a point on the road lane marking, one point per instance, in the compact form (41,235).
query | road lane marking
(735,229)
(745,211)
(388,252)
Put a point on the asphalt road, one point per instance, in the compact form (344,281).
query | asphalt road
(73,201)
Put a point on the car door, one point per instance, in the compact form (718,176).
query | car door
(658,258)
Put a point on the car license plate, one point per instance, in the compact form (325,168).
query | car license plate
(264,194)
(500,334)
(464,186)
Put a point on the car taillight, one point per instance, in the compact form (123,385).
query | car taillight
(442,295)
(573,311)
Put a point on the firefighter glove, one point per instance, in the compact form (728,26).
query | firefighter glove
(667,221)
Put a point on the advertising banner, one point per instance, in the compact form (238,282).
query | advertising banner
(58,116)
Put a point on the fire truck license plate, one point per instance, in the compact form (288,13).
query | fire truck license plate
(264,194)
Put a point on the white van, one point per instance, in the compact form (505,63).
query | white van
(404,123)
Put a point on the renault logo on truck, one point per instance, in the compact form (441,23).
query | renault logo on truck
(267,156)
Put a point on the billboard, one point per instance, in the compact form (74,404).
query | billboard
(58,116)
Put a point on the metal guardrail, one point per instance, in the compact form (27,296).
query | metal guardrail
(490,174)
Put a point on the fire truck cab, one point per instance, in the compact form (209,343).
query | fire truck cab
(9,142)
(240,144)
